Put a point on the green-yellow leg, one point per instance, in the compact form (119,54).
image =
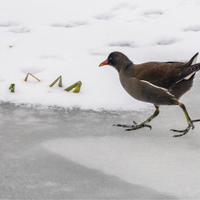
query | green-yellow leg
(143,124)
(190,122)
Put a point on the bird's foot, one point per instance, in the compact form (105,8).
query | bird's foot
(133,127)
(183,132)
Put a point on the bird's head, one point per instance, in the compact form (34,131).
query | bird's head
(116,59)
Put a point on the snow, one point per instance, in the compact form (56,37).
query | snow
(49,38)
(53,38)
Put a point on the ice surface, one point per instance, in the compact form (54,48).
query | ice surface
(163,165)
(59,153)
(30,170)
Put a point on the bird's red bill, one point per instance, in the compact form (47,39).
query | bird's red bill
(103,63)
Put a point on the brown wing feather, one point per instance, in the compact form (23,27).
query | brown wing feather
(160,74)
(164,74)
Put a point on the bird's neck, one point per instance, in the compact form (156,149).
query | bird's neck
(128,66)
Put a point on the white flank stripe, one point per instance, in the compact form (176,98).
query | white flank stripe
(155,86)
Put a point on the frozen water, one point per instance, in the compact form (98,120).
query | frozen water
(31,169)
(59,153)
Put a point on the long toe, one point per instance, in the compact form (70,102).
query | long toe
(132,127)
(146,125)
(183,132)
(135,127)
(196,120)
(123,125)
(180,134)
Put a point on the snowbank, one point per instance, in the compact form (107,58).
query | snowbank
(53,38)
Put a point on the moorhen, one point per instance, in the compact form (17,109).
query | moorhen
(160,83)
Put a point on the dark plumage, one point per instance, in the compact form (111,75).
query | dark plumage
(160,83)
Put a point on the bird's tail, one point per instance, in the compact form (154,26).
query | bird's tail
(191,68)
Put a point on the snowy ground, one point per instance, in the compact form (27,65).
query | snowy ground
(56,144)
(53,38)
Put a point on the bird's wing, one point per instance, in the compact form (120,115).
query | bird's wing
(165,74)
